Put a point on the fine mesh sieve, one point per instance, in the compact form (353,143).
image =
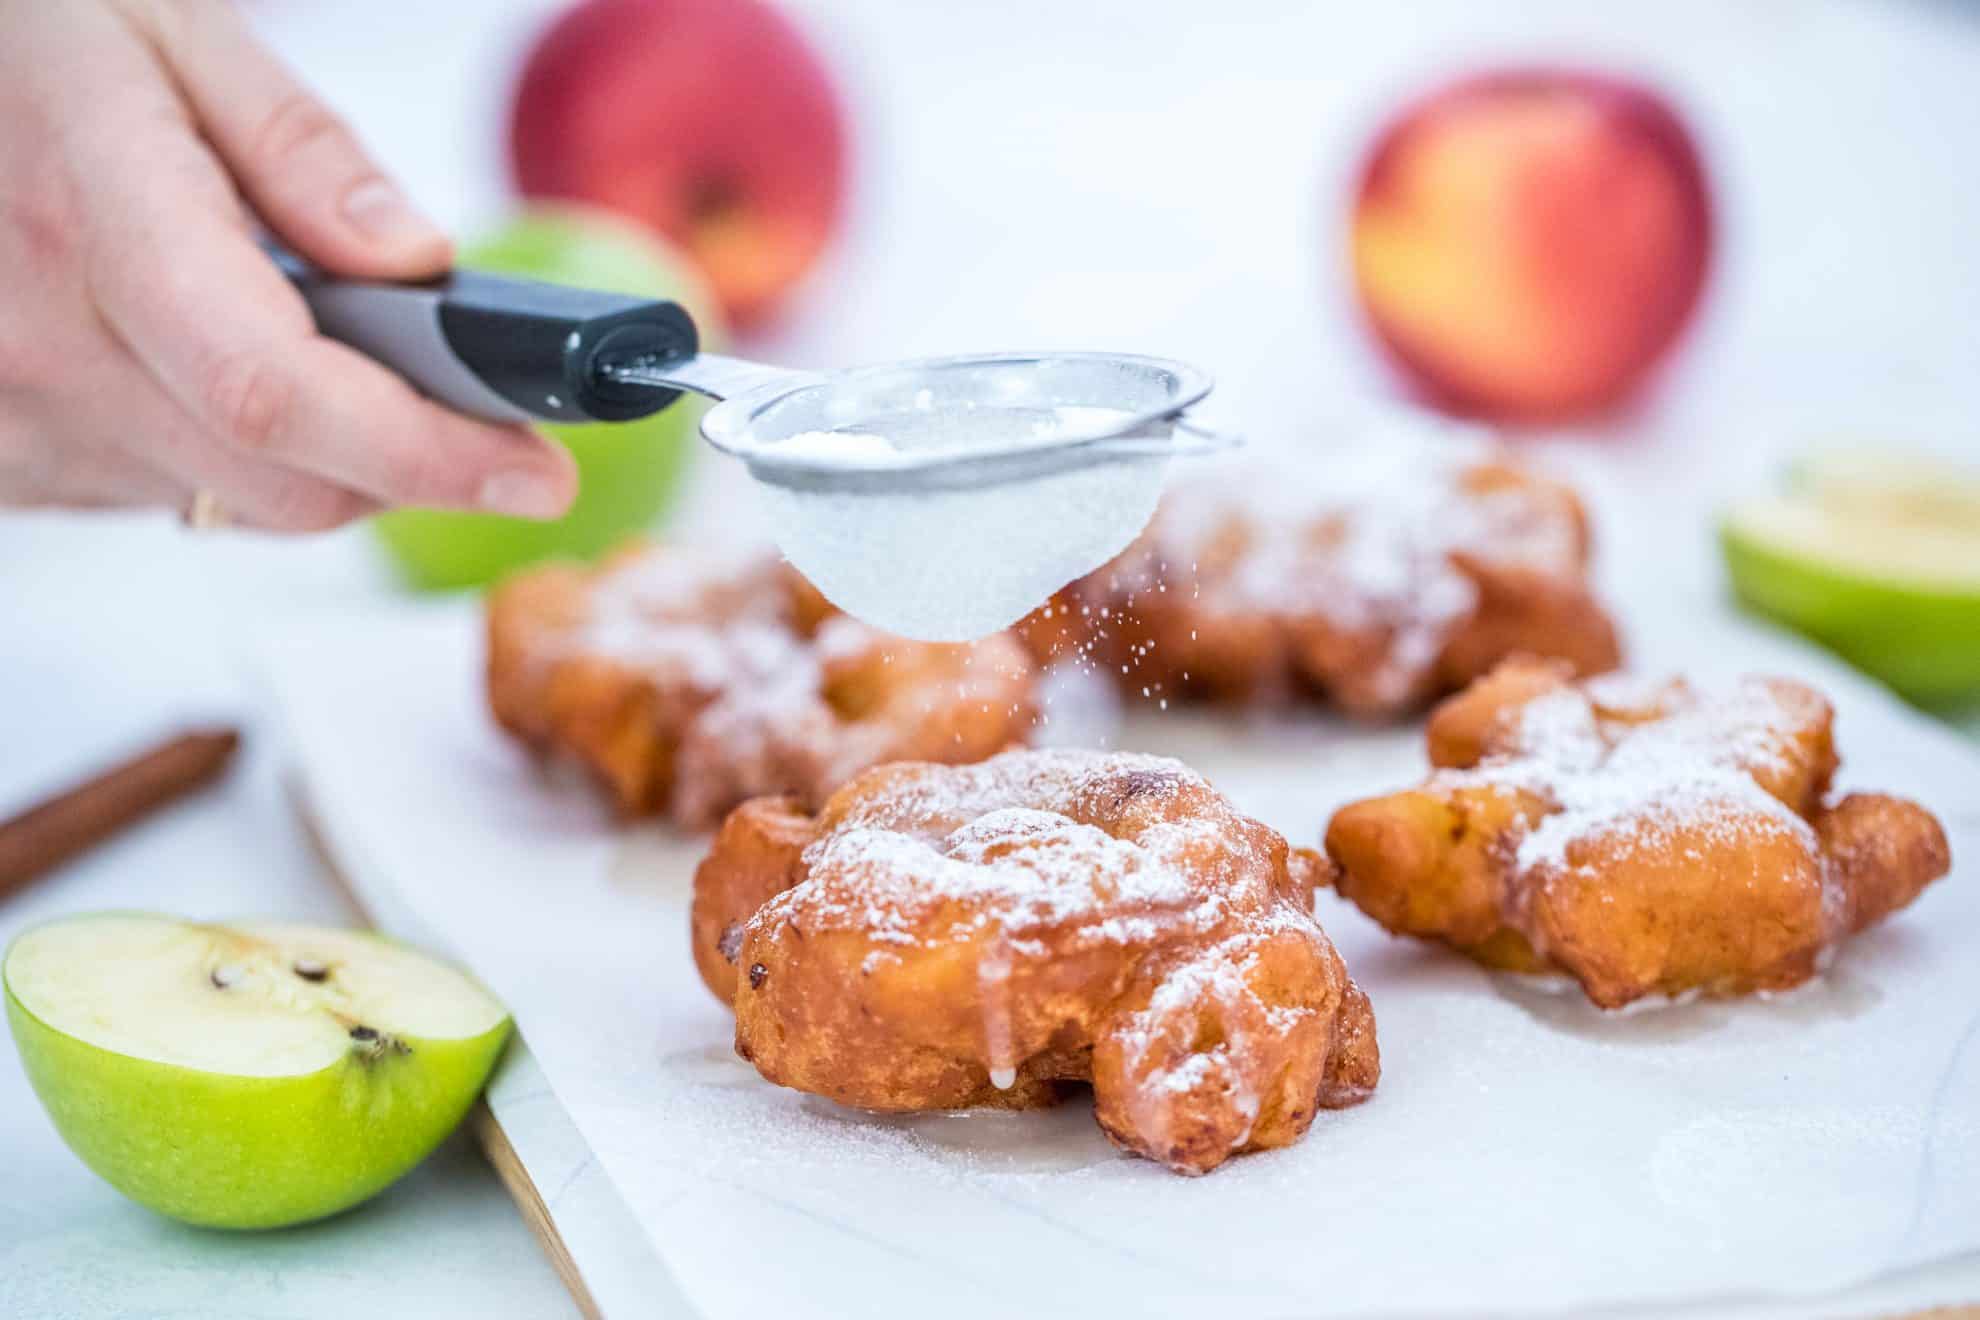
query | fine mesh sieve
(519,350)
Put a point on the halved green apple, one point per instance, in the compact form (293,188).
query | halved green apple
(1878,558)
(246,1076)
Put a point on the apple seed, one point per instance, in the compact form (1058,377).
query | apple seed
(376,1043)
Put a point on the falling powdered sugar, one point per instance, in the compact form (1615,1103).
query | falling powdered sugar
(1370,539)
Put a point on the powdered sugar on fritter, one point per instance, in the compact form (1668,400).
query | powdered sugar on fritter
(1050,916)
(755,686)
(955,843)
(656,612)
(1373,533)
(1371,539)
(1682,765)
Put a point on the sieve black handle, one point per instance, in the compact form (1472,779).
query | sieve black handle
(504,349)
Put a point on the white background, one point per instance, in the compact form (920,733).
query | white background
(1163,177)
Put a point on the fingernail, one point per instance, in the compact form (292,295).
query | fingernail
(522,495)
(379,211)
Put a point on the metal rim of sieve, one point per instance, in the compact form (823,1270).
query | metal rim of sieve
(1153,432)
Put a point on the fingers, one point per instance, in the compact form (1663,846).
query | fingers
(301,168)
(122,443)
(185,289)
(133,445)
(253,493)
(62,469)
(322,408)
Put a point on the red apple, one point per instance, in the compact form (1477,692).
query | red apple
(710,120)
(1528,243)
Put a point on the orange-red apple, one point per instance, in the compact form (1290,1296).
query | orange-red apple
(1528,243)
(710,120)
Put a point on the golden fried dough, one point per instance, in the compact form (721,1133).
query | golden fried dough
(1645,838)
(686,683)
(1378,595)
(940,937)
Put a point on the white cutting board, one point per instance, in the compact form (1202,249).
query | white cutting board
(1818,1154)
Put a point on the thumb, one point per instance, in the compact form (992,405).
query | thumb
(298,164)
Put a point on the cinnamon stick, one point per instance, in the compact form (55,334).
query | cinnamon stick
(51,832)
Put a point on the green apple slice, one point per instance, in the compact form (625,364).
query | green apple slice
(1876,557)
(246,1076)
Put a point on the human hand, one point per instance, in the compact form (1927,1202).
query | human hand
(148,348)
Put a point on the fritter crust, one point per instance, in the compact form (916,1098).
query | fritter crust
(947,937)
(1645,838)
(686,683)
(1378,601)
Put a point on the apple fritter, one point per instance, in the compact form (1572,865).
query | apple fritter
(687,682)
(1643,837)
(1378,591)
(988,935)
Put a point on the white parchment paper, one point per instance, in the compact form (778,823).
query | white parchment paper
(1522,1152)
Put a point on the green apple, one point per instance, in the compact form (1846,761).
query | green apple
(1878,558)
(626,472)
(246,1076)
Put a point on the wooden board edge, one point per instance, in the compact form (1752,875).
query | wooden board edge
(481,1120)
(523,1191)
